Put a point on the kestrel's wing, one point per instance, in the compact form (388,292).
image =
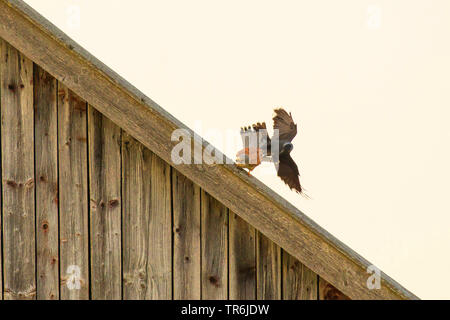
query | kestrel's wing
(256,134)
(283,121)
(247,135)
(288,172)
(263,138)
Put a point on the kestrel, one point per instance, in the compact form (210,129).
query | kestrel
(252,155)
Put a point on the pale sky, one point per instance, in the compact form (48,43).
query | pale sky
(368,83)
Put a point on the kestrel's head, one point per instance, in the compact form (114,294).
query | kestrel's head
(287,147)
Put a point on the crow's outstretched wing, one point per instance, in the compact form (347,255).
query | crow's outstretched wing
(283,121)
(288,172)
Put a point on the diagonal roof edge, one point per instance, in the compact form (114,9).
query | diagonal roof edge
(150,124)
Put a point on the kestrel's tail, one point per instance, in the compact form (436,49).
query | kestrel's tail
(305,195)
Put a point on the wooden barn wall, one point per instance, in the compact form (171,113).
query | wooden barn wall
(87,212)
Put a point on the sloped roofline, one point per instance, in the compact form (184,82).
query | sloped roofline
(150,124)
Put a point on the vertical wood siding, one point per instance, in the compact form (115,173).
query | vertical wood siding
(17,140)
(46,157)
(328,292)
(214,236)
(136,164)
(147,246)
(299,282)
(73,195)
(160,231)
(89,213)
(186,241)
(105,206)
(268,269)
(242,259)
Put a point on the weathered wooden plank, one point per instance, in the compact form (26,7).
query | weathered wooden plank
(152,126)
(328,292)
(160,230)
(147,229)
(186,246)
(46,159)
(136,184)
(268,268)
(17,174)
(299,282)
(73,195)
(105,206)
(242,259)
(214,233)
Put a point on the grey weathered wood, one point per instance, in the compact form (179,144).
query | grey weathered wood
(160,229)
(242,259)
(214,233)
(73,195)
(46,159)
(299,282)
(328,292)
(105,206)
(147,231)
(136,168)
(268,268)
(17,174)
(186,246)
(151,125)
